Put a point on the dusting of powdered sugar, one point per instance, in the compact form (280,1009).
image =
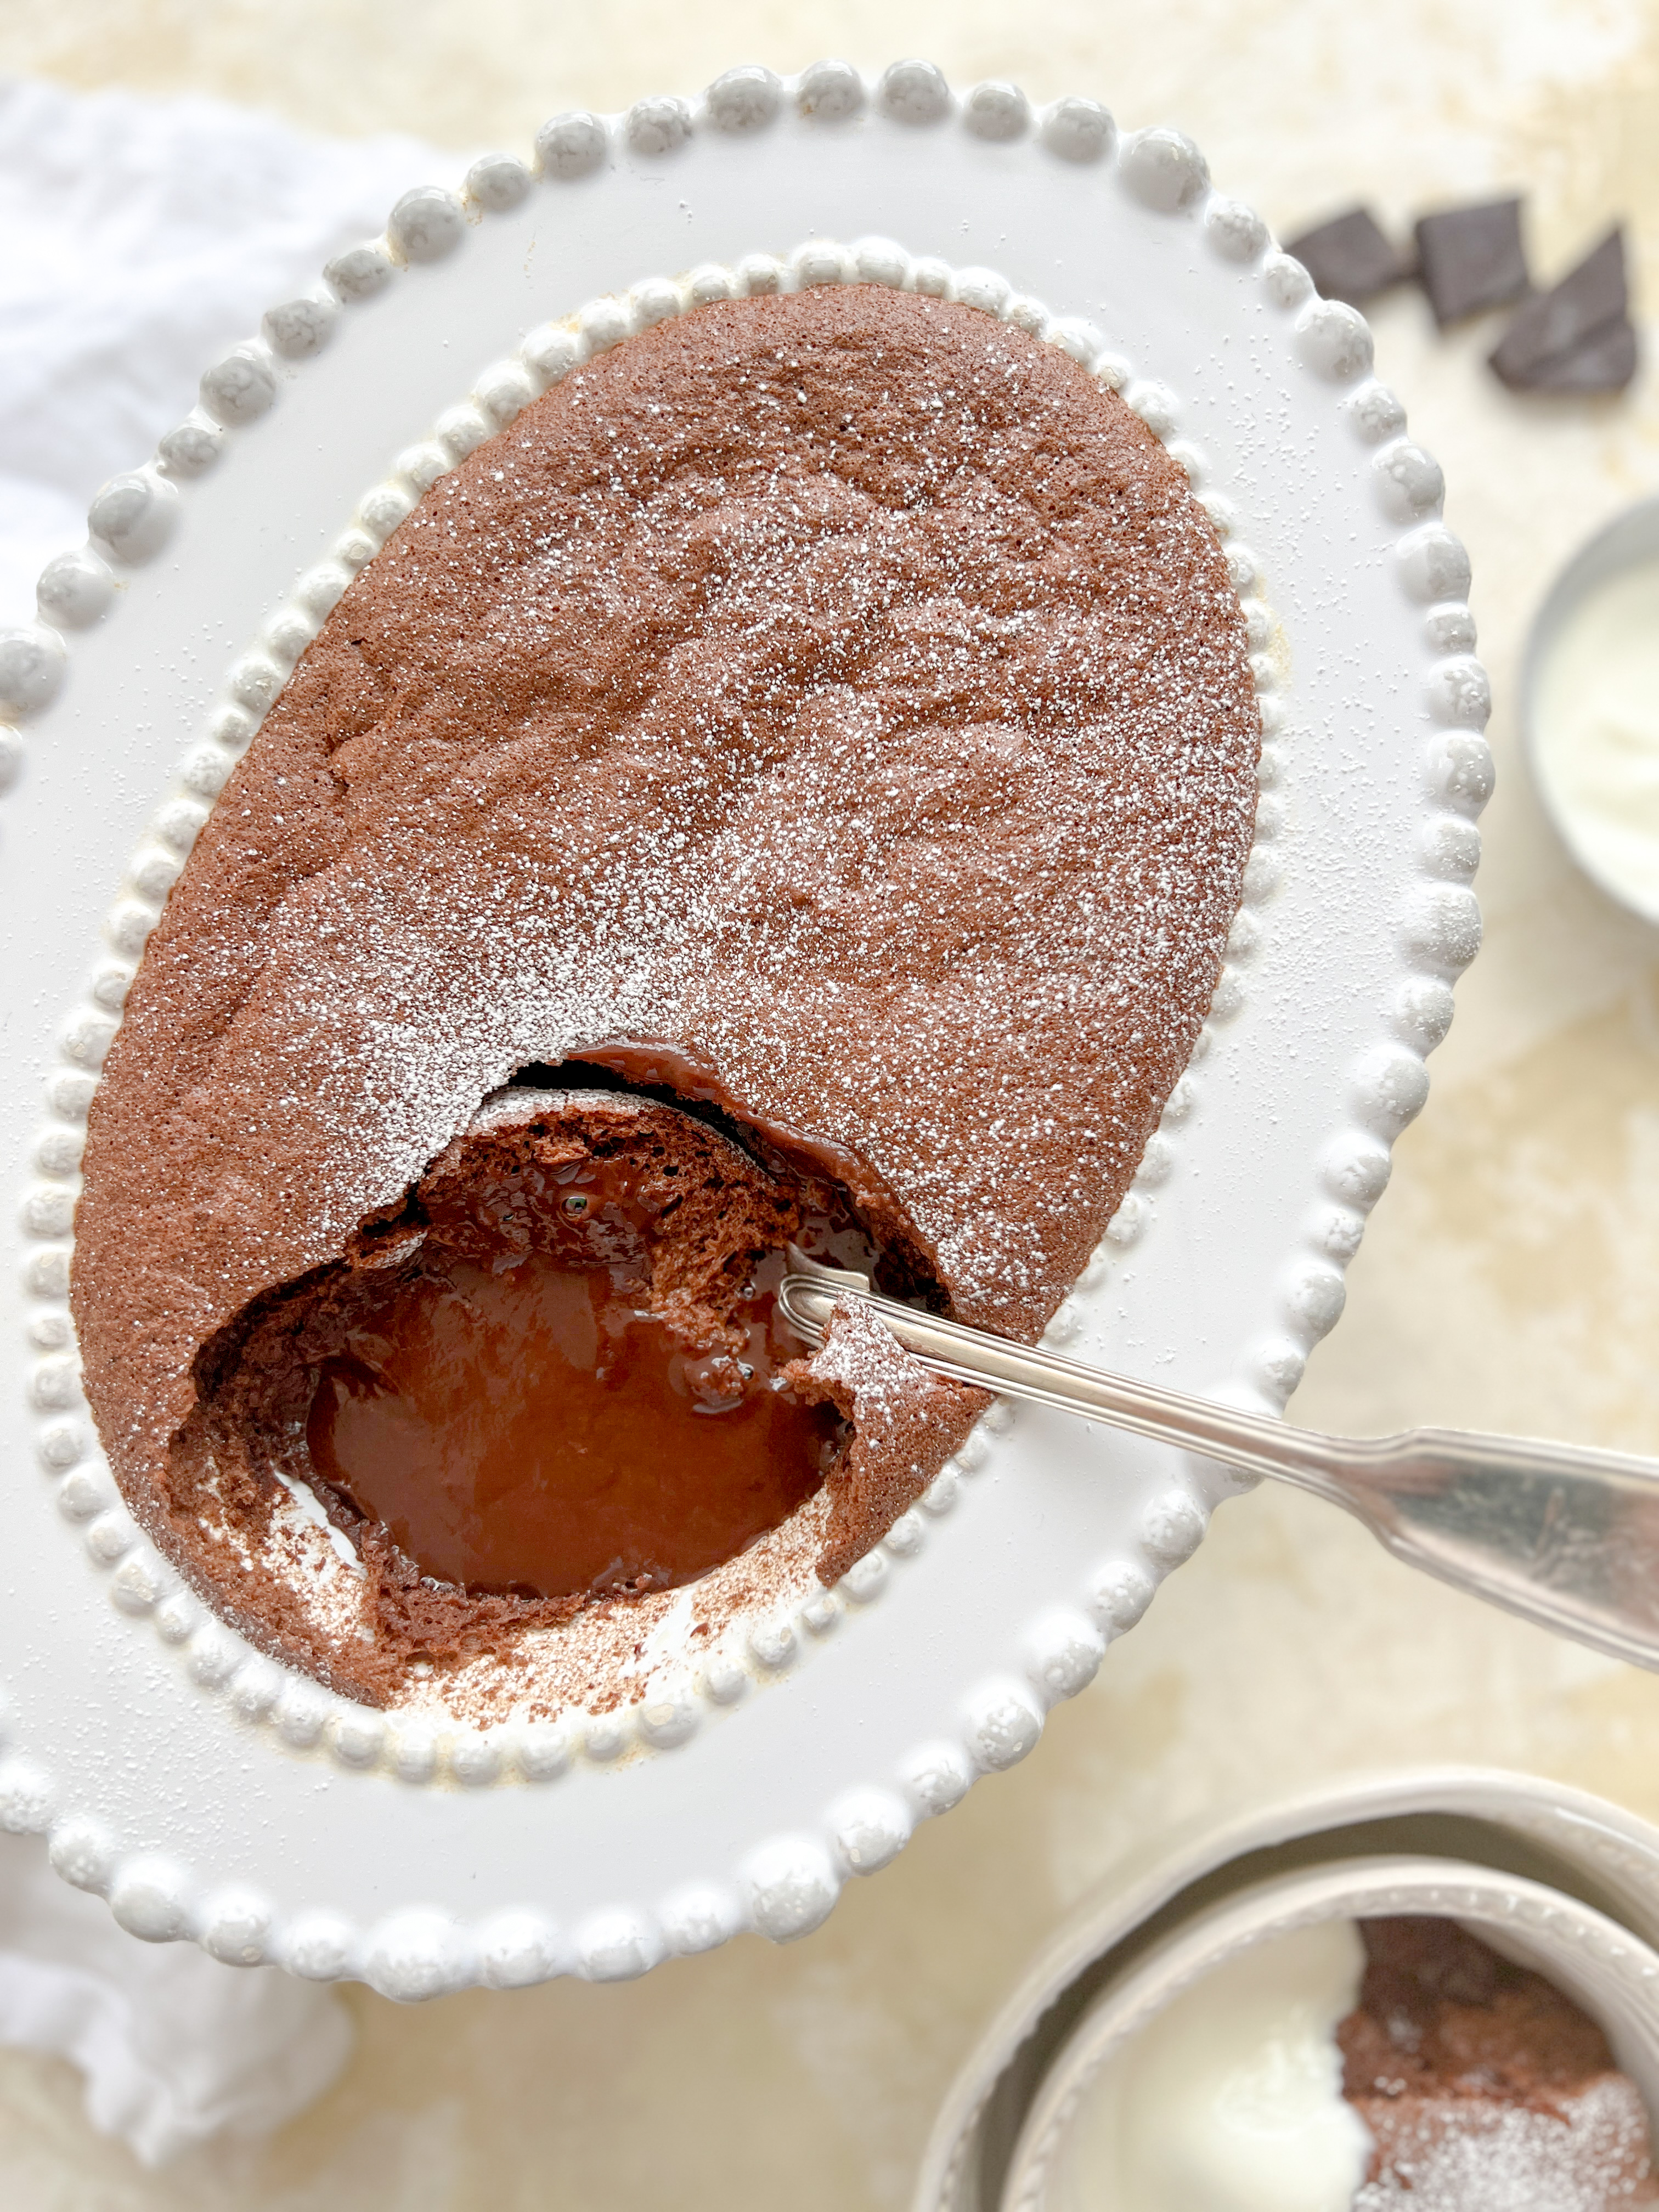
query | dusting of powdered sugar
(1046,805)
(1469,2156)
(331,1586)
(607,1657)
(867,1359)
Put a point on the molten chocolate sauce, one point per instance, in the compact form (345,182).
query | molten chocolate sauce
(533,1405)
(535,1432)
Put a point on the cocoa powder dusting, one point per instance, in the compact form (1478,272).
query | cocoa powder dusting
(840,690)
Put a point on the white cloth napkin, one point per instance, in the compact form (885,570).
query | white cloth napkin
(138,239)
(175,2047)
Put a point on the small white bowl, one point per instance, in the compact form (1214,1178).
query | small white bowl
(1551,1876)
(1612,1974)
(1630,541)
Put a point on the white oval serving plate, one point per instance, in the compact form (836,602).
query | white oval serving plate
(209,1796)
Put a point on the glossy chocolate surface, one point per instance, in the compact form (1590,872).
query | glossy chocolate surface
(556,1372)
(527,1420)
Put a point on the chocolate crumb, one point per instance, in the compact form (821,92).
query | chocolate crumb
(904,1421)
(1482,2085)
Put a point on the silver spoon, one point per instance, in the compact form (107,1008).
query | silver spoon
(1556,1533)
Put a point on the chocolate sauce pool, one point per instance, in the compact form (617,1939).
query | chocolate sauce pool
(526,1423)
(559,1369)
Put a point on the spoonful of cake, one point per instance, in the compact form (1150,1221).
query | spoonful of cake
(1561,1534)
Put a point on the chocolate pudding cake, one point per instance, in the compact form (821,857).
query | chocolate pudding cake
(793,783)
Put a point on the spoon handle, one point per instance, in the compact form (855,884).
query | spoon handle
(1561,1534)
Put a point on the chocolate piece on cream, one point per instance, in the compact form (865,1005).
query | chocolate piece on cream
(1480,2082)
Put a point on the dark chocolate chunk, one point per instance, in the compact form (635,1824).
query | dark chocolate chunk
(1351,257)
(1578,338)
(1605,363)
(1471,257)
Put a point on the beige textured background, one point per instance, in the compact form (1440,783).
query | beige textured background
(1511,1277)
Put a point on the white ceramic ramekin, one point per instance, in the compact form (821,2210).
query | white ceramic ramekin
(1612,1974)
(1555,1879)
(1629,540)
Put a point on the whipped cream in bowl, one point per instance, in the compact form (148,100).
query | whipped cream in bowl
(1590,701)
(1232,2098)
(1420,1990)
